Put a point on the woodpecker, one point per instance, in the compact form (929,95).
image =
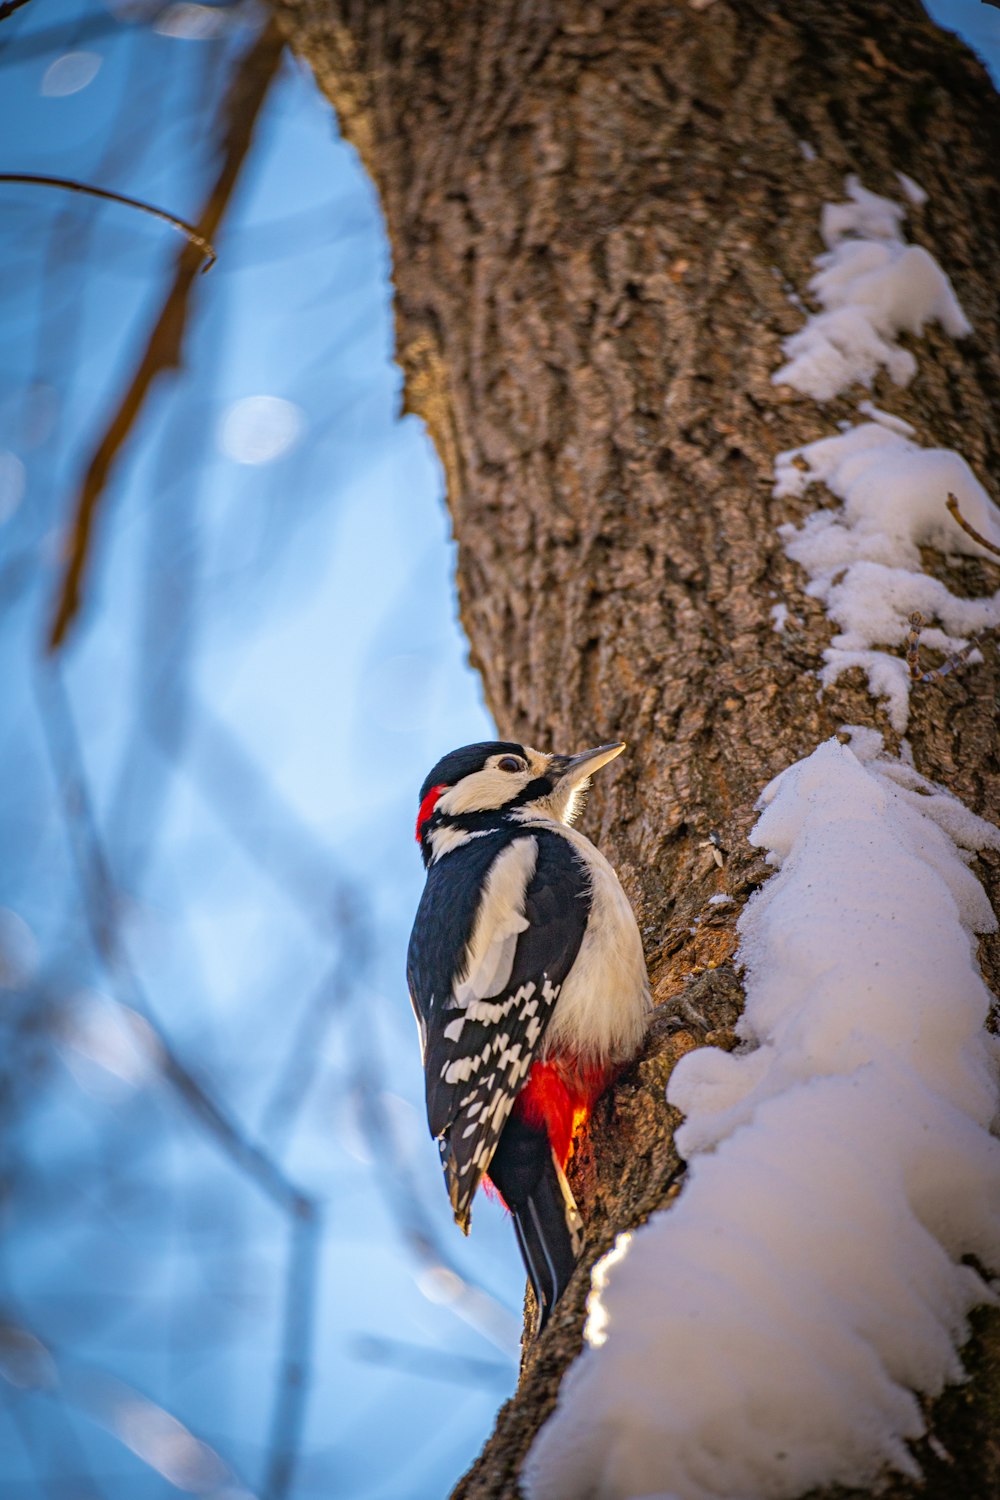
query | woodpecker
(528,983)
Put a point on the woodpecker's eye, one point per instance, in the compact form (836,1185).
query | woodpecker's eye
(510,763)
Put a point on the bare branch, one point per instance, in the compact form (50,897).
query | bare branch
(9,7)
(956,659)
(967,527)
(96,192)
(913,645)
(253,77)
(294,1078)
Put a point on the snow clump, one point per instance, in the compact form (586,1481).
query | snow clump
(871,286)
(774,1330)
(863,560)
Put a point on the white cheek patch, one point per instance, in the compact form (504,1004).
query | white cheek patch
(482,791)
(491,788)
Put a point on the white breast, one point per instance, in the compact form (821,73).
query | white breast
(604,1003)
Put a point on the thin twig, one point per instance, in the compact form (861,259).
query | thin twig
(72,186)
(9,7)
(253,77)
(967,527)
(431,1364)
(950,663)
(956,659)
(913,645)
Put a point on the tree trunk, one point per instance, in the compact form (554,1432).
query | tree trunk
(597,211)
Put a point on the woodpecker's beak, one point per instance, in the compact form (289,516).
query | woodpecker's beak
(572,769)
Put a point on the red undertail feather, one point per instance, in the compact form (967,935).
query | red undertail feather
(560,1094)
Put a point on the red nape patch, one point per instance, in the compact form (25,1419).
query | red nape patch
(427,807)
(560,1095)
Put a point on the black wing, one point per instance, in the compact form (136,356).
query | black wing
(482,1026)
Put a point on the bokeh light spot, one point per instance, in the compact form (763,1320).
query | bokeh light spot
(193,23)
(259,429)
(18,950)
(12,482)
(70,73)
(440,1285)
(108,1047)
(164,1443)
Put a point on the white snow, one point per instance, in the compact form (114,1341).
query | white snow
(916,194)
(863,560)
(721,899)
(885,418)
(767,1333)
(872,286)
(779,617)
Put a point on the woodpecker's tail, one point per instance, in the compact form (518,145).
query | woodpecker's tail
(546,1219)
(550,1235)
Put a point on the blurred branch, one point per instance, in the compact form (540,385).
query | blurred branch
(465,1296)
(288,1420)
(431,1364)
(38,1450)
(9,7)
(99,909)
(152,1433)
(302,1269)
(72,186)
(295,1077)
(253,76)
(302,870)
(40,42)
(276,838)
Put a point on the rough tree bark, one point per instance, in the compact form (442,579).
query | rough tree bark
(596,212)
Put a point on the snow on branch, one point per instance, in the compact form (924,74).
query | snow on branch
(775,1328)
(871,286)
(863,560)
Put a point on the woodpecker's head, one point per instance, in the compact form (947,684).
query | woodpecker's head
(472,789)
